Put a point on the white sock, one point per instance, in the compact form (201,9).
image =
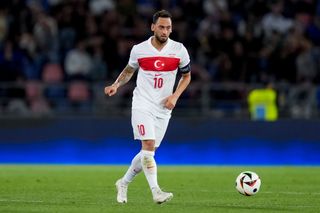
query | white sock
(149,167)
(134,169)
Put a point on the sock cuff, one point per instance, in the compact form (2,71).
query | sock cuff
(147,153)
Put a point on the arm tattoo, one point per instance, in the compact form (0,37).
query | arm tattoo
(125,76)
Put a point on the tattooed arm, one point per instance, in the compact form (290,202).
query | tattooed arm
(122,79)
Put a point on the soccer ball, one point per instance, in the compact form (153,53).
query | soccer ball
(248,183)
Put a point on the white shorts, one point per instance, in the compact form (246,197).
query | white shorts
(148,127)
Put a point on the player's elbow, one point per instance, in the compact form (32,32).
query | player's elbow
(187,77)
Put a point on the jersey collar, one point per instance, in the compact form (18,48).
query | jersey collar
(163,49)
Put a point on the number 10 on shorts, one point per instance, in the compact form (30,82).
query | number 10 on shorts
(141,129)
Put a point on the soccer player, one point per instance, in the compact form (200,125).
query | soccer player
(157,60)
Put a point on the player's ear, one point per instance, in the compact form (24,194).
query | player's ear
(152,27)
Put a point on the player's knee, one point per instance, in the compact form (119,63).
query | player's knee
(148,145)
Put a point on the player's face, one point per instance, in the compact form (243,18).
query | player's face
(162,29)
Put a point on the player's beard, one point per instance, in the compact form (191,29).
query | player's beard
(160,39)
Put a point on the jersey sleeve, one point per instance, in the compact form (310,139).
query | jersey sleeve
(133,60)
(184,66)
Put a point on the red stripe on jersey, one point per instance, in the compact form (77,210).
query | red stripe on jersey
(159,64)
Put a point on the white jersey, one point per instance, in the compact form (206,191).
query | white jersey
(156,75)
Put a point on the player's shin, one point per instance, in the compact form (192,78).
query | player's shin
(134,169)
(149,167)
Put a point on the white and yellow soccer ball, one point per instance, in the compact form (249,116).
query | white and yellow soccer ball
(248,183)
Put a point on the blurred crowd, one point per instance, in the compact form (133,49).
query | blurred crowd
(51,51)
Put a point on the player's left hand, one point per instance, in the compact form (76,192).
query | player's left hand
(170,102)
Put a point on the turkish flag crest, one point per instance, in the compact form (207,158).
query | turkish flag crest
(160,64)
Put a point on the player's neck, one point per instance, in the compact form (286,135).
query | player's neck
(157,44)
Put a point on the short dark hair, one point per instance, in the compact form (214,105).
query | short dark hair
(161,14)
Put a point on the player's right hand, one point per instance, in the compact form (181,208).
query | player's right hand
(110,90)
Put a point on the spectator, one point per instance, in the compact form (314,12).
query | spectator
(3,24)
(38,105)
(33,61)
(308,62)
(11,62)
(97,7)
(275,21)
(263,103)
(54,88)
(46,36)
(78,62)
(313,30)
(99,68)
(302,100)
(79,96)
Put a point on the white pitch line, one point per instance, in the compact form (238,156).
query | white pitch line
(21,201)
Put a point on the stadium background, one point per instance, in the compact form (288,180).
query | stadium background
(56,57)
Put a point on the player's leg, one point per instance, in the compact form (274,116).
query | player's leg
(142,125)
(122,184)
(146,126)
(134,169)
(148,163)
(149,167)
(144,129)
(161,125)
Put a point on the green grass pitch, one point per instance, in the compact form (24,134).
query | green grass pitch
(62,188)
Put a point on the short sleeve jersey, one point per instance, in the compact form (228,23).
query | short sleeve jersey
(157,72)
